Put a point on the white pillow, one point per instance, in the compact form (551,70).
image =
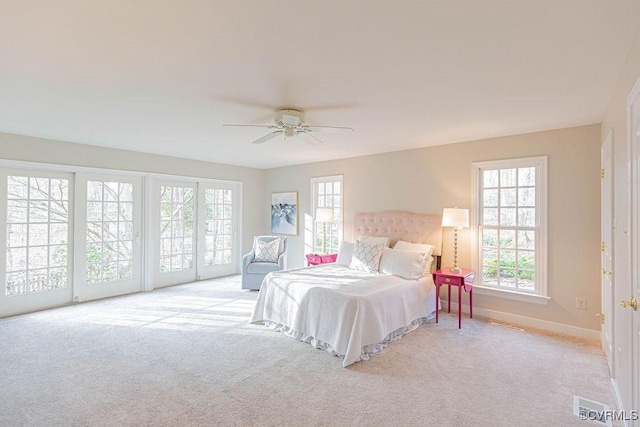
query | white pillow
(267,251)
(375,240)
(345,253)
(366,257)
(427,265)
(414,247)
(407,264)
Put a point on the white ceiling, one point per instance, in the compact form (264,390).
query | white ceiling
(162,76)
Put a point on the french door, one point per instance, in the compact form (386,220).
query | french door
(217,230)
(108,220)
(35,265)
(175,224)
(196,227)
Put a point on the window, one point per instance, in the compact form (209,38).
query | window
(510,215)
(327,193)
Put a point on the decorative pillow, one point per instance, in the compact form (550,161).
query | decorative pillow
(366,257)
(266,251)
(345,253)
(406,264)
(374,239)
(414,247)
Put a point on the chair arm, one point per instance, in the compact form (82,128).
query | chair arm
(247,259)
(282,260)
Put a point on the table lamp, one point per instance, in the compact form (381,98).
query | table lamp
(324,216)
(456,218)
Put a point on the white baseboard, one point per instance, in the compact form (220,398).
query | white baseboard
(524,321)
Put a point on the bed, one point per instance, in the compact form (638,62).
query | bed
(349,313)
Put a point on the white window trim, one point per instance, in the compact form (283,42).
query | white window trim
(541,162)
(339,221)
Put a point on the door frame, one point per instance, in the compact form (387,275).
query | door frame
(633,144)
(607,262)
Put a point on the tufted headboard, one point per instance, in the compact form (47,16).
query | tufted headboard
(401,225)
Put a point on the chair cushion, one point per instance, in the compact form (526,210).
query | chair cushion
(262,267)
(267,251)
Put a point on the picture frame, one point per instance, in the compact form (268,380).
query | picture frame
(284,213)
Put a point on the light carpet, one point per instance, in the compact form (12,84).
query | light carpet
(187,356)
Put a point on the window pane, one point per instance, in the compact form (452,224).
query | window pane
(527,197)
(17,187)
(489,238)
(490,216)
(507,177)
(490,178)
(490,198)
(527,176)
(508,216)
(507,238)
(526,239)
(526,217)
(508,197)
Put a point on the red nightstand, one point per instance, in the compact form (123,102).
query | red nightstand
(463,280)
(315,259)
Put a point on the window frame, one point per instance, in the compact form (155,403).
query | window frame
(540,295)
(338,219)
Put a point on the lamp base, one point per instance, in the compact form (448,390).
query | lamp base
(457,270)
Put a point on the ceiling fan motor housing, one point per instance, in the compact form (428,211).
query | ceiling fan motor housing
(289,118)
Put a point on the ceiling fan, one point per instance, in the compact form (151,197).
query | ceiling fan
(290,123)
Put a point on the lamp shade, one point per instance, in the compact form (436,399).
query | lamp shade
(454,217)
(324,215)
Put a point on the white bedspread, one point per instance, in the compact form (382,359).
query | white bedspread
(346,312)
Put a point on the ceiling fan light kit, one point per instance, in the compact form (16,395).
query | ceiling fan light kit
(290,123)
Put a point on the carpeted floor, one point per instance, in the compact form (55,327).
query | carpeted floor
(186,356)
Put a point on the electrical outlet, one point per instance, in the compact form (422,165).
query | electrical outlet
(581,303)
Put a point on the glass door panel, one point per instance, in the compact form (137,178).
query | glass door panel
(218,247)
(175,207)
(36,208)
(108,228)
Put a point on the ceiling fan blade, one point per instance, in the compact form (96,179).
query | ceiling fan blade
(268,137)
(251,126)
(314,140)
(327,129)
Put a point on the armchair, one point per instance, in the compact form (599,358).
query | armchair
(253,272)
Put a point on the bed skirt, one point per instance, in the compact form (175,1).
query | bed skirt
(365,353)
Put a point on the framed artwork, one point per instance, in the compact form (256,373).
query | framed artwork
(284,213)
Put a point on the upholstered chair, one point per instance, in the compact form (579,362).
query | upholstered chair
(271,256)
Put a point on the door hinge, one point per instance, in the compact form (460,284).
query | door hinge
(602,173)
(601,317)
(602,246)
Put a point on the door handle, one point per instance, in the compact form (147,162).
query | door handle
(633,303)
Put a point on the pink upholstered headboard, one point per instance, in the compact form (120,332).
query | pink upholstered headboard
(401,225)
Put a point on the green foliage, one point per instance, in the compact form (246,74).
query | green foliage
(508,268)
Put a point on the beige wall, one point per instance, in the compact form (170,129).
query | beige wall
(429,179)
(24,148)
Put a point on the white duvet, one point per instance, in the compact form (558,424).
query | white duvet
(349,313)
